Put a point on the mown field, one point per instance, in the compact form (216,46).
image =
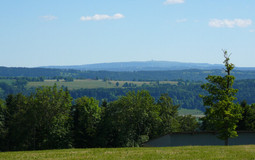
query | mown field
(193,112)
(89,83)
(178,153)
(8,81)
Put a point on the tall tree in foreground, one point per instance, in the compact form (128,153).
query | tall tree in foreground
(2,125)
(223,114)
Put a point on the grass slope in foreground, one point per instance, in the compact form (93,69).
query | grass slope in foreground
(187,152)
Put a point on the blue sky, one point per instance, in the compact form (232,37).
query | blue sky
(64,32)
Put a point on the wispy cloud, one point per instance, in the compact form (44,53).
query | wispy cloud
(98,17)
(173,2)
(181,20)
(220,23)
(49,18)
(252,30)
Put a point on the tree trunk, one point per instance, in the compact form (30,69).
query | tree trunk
(226,142)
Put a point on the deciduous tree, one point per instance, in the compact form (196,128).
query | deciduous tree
(168,114)
(86,118)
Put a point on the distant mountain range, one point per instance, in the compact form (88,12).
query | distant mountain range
(145,66)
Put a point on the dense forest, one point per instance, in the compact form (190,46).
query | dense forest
(184,93)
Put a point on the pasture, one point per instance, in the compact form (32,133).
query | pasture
(76,84)
(89,83)
(8,81)
(193,112)
(178,153)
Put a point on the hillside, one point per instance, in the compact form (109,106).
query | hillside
(140,66)
(145,66)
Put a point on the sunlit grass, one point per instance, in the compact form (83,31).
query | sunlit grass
(178,153)
(194,112)
(76,84)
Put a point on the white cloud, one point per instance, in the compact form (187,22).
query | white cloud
(49,18)
(218,23)
(252,30)
(173,1)
(98,17)
(181,20)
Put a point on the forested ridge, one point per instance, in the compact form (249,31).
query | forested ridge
(191,74)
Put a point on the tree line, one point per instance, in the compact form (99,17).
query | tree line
(47,119)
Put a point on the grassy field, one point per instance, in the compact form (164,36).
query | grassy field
(178,153)
(8,81)
(194,112)
(76,84)
(88,83)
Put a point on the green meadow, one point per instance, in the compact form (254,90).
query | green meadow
(89,83)
(8,81)
(178,153)
(193,112)
(76,84)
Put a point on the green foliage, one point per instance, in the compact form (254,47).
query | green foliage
(20,84)
(248,120)
(2,125)
(168,114)
(186,96)
(38,121)
(131,119)
(223,114)
(188,123)
(51,112)
(86,118)
(17,123)
(135,118)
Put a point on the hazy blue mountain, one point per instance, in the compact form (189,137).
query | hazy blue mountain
(141,66)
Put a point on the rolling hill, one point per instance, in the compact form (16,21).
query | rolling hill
(140,66)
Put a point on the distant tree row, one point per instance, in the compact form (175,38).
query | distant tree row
(190,75)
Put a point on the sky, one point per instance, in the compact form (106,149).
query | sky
(74,32)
